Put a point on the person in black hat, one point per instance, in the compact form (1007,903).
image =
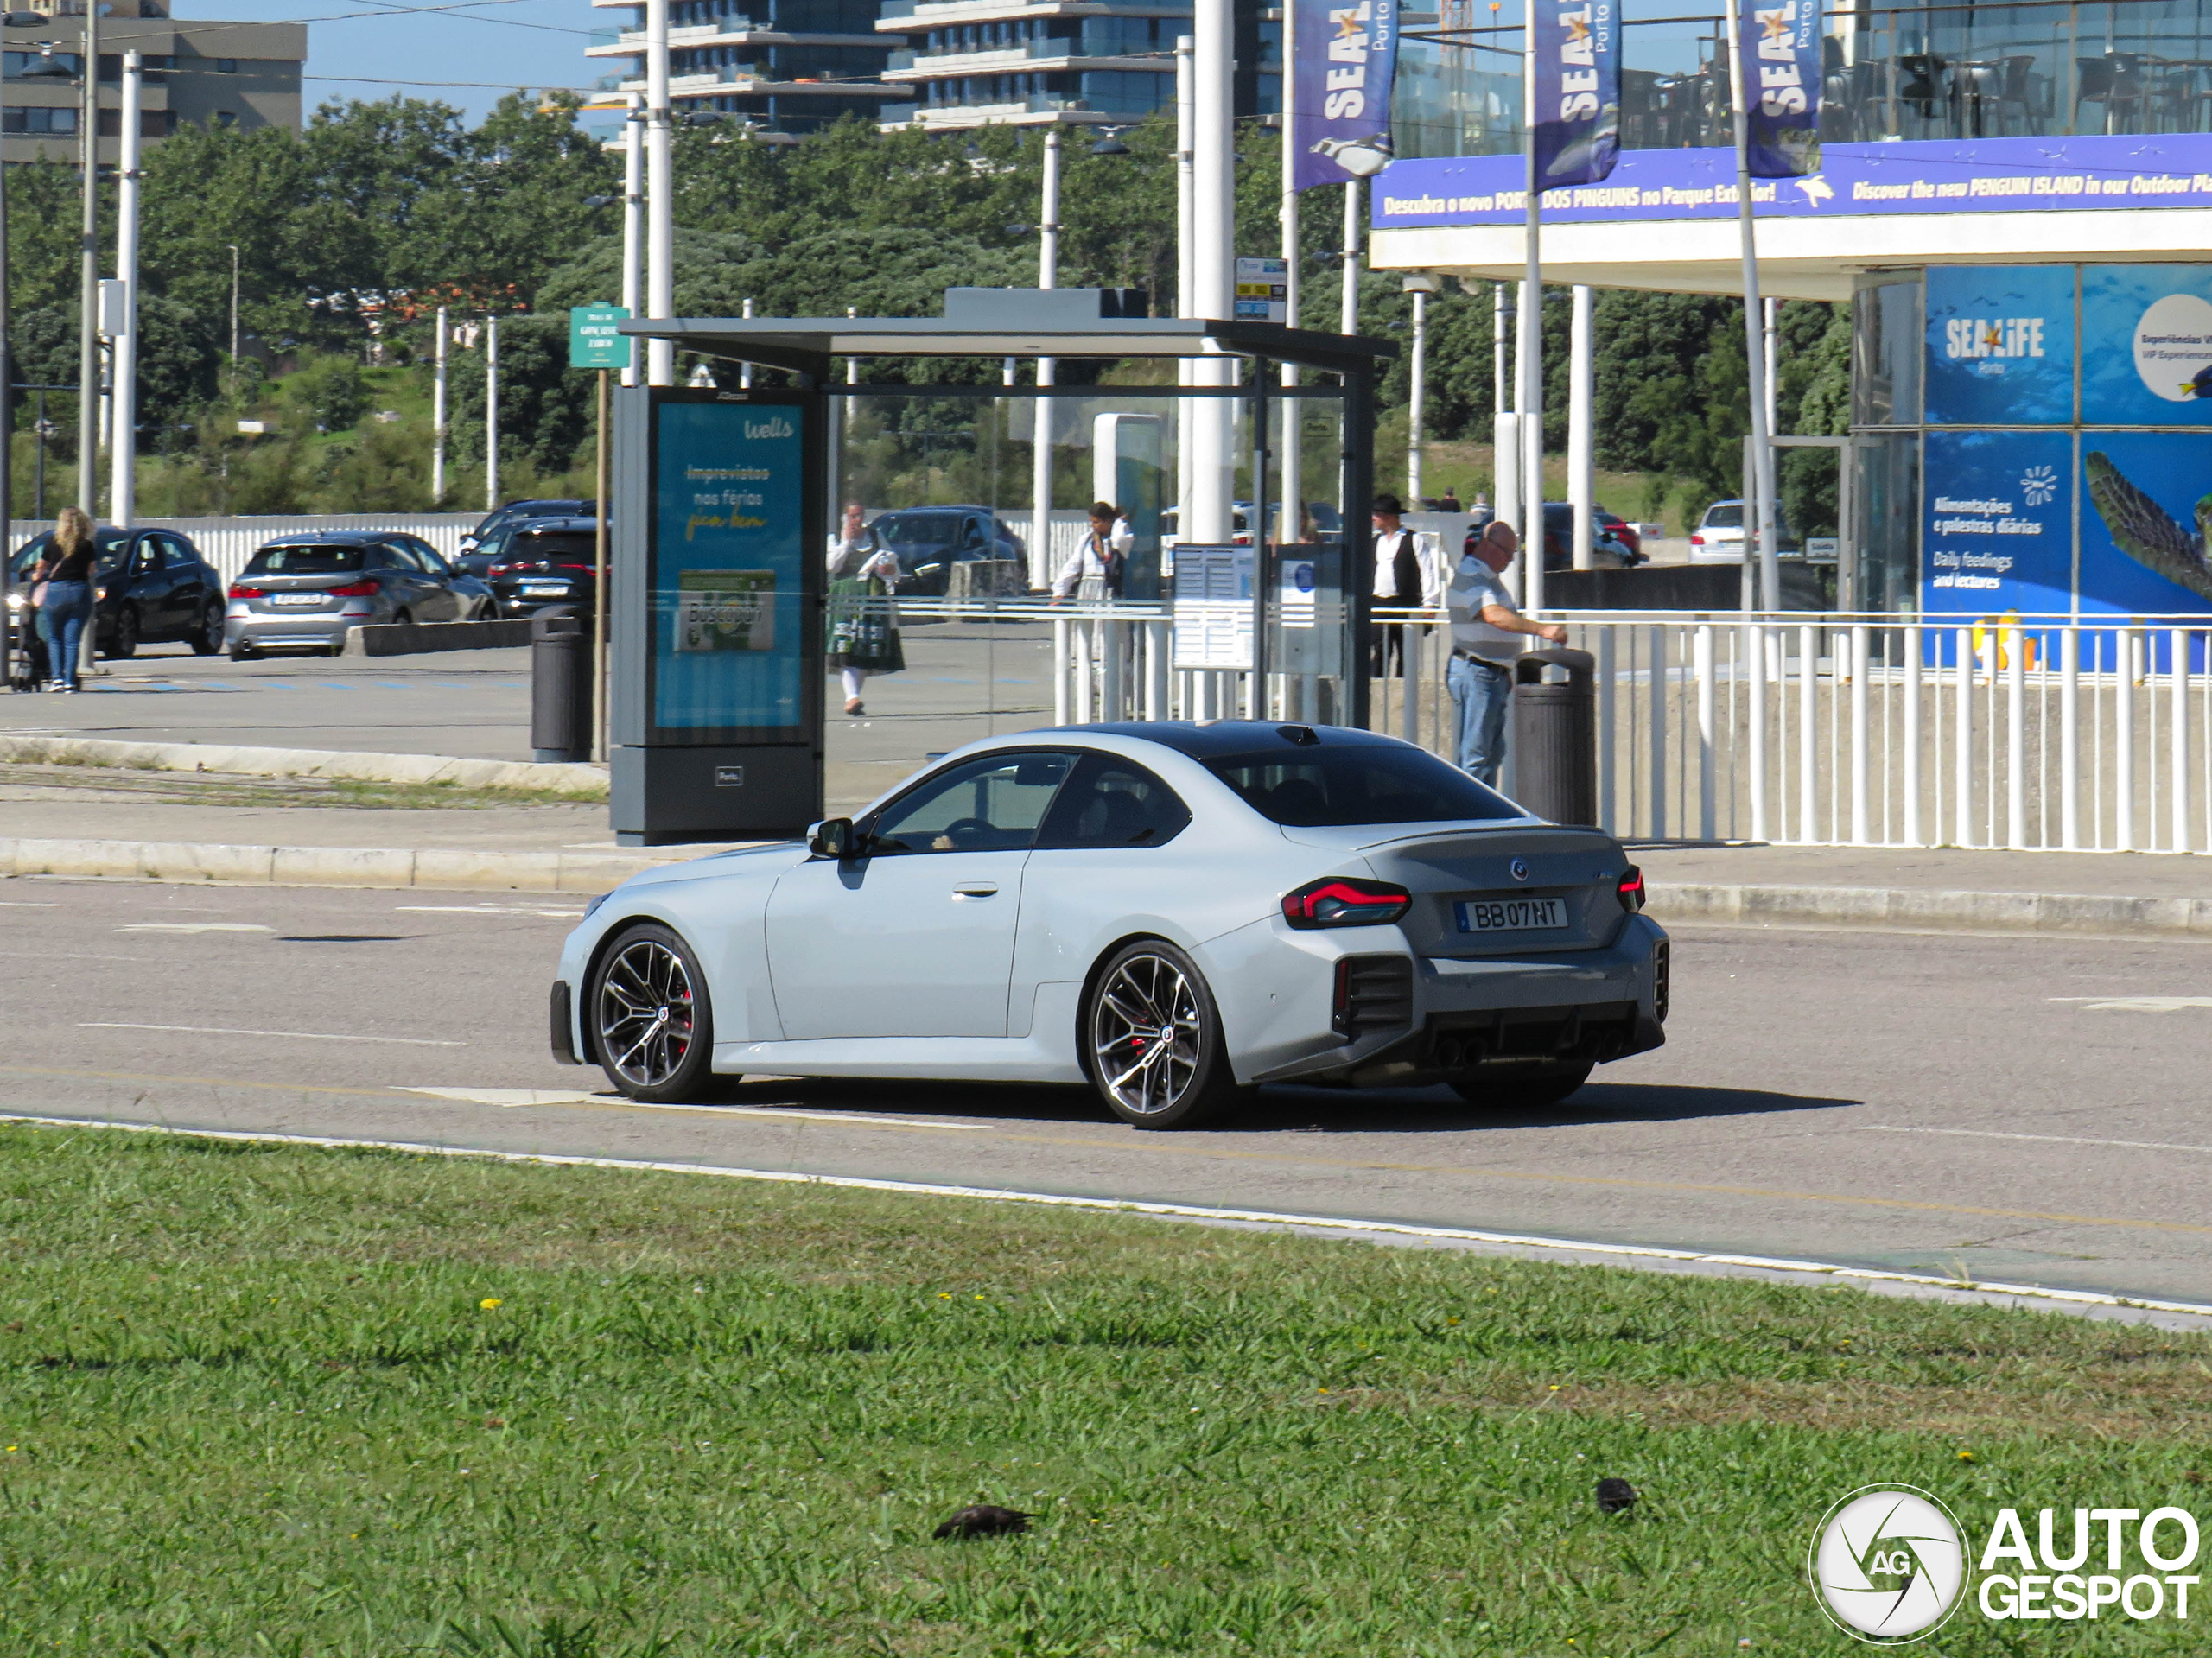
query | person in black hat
(1408,576)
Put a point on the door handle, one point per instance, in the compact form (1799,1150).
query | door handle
(975,889)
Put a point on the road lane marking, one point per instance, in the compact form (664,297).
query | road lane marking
(298,1036)
(26,903)
(1152,1144)
(2051,1139)
(1628,1253)
(194,926)
(511,1097)
(2135,1004)
(484,908)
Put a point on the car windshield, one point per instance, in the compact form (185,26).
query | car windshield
(1730,516)
(1330,786)
(314,559)
(562,547)
(110,542)
(929,530)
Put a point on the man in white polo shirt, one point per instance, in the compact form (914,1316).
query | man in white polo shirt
(1486,635)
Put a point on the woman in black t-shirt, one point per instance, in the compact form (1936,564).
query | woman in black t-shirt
(66,615)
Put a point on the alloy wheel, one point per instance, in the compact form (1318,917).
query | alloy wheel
(1145,1033)
(644,1013)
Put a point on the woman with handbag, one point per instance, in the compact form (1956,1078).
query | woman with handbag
(65,610)
(863,625)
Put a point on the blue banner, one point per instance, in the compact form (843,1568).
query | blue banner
(1781,76)
(1998,534)
(1578,115)
(2143,544)
(2146,331)
(2000,346)
(728,622)
(2094,172)
(1340,89)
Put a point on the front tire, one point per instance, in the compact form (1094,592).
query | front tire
(1513,1091)
(1152,1040)
(650,1020)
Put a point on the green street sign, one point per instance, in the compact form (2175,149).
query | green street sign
(592,342)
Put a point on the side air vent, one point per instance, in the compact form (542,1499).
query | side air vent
(1374,993)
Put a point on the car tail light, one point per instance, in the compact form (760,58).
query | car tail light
(239,590)
(1373,992)
(355,590)
(1340,902)
(1631,889)
(507,567)
(1697,541)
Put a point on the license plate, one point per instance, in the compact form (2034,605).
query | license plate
(535,589)
(299,600)
(1510,914)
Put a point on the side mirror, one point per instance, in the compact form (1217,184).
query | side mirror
(832,837)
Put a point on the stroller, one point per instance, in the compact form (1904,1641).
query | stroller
(27,665)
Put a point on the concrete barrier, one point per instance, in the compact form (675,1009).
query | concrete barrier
(586,782)
(448,869)
(412,639)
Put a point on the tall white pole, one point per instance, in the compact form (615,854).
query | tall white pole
(124,446)
(1754,332)
(660,205)
(1294,460)
(744,369)
(1213,209)
(1419,374)
(1349,321)
(1581,478)
(1532,349)
(1186,120)
(88,275)
(1040,444)
(634,217)
(438,414)
(490,414)
(1773,366)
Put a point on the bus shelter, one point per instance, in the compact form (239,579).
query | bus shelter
(1245,499)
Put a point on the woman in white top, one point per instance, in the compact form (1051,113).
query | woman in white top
(863,636)
(1093,571)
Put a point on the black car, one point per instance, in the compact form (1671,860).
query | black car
(153,589)
(514,510)
(544,561)
(928,540)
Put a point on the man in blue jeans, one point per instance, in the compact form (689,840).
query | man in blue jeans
(1486,634)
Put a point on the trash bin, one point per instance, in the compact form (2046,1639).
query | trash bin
(560,685)
(1555,735)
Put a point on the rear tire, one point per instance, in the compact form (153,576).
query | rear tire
(1514,1091)
(1152,1040)
(650,1021)
(125,643)
(208,641)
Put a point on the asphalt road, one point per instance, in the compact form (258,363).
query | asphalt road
(2001,1109)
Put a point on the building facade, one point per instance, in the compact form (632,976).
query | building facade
(216,75)
(787,67)
(1080,62)
(2016,202)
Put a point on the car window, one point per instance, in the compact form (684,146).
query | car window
(311,559)
(992,803)
(428,557)
(919,529)
(1113,802)
(179,549)
(1730,516)
(400,554)
(146,557)
(1357,785)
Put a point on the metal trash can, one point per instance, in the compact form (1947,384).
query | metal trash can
(560,685)
(1555,735)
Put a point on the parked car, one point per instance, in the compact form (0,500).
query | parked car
(304,592)
(542,562)
(1718,536)
(1611,553)
(1622,530)
(152,587)
(928,540)
(533,509)
(1178,913)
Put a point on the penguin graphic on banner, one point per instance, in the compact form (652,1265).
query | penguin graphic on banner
(1347,59)
(1578,91)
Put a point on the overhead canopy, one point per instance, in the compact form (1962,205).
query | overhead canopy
(805,345)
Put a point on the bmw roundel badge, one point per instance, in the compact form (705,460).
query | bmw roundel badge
(1519,868)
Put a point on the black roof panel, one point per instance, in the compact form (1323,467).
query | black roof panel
(1206,740)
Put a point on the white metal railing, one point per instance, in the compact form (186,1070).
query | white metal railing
(1816,728)
(228,543)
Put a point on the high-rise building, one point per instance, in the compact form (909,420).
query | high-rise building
(216,75)
(786,66)
(1082,62)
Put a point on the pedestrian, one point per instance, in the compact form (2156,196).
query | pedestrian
(1486,634)
(1096,570)
(1408,576)
(1448,501)
(1480,512)
(65,617)
(863,623)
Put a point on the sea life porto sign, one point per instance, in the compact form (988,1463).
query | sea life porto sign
(1577,84)
(1781,72)
(1347,57)
(2000,346)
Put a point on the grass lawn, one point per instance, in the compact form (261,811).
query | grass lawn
(273,1400)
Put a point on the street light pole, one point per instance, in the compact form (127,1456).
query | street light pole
(490,414)
(1213,216)
(633,215)
(438,415)
(660,207)
(124,475)
(88,276)
(1041,448)
(235,315)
